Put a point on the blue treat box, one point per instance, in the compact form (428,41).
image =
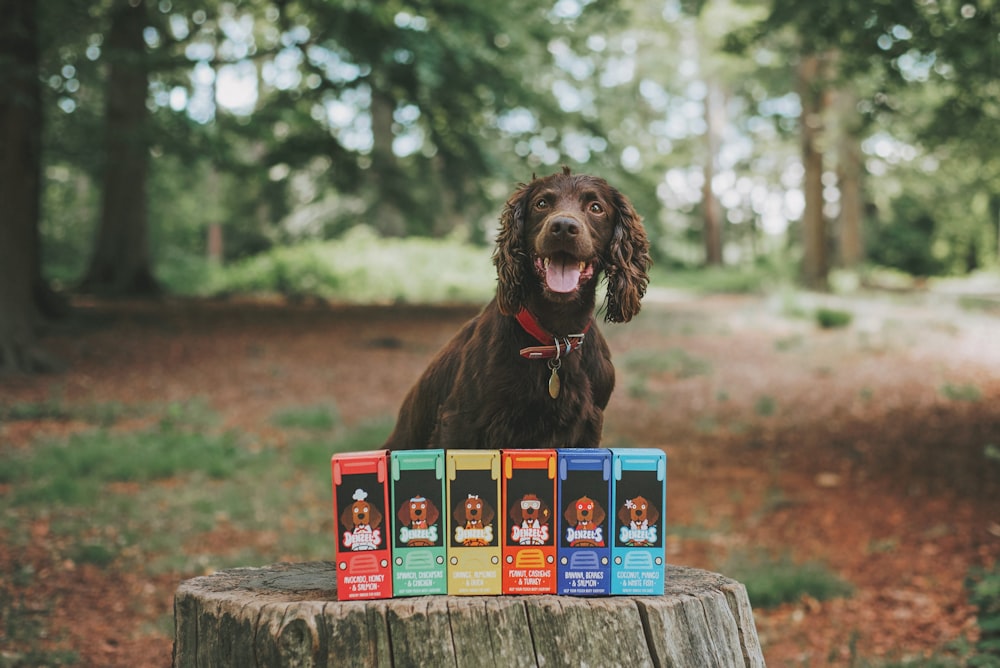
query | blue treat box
(584,544)
(638,497)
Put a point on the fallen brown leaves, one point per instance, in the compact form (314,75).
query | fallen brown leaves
(855,459)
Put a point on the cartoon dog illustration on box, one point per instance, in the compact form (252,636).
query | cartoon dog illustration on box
(474,517)
(638,518)
(583,523)
(362,521)
(530,516)
(417,518)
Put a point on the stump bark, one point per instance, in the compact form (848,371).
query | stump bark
(288,615)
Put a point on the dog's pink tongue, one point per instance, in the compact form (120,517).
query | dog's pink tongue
(562,275)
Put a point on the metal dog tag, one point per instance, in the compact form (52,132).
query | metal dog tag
(554,378)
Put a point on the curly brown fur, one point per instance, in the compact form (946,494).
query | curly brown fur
(558,234)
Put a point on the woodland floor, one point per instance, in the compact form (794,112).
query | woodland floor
(859,448)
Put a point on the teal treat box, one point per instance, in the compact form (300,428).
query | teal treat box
(418,523)
(639,495)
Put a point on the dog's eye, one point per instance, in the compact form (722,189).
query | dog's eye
(596,208)
(542,203)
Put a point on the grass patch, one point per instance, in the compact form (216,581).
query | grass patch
(366,436)
(831,318)
(984,593)
(271,502)
(757,279)
(23,626)
(103,414)
(312,418)
(675,361)
(788,343)
(765,406)
(962,392)
(642,364)
(74,471)
(772,582)
(94,553)
(359,267)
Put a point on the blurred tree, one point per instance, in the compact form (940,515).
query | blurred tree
(814,96)
(20,174)
(121,261)
(850,176)
(948,47)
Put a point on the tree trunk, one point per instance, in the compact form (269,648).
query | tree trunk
(850,168)
(121,263)
(288,615)
(711,210)
(214,243)
(386,218)
(812,93)
(20,188)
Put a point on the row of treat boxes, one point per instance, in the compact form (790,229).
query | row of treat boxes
(585,522)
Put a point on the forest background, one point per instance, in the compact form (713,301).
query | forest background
(332,151)
(149,144)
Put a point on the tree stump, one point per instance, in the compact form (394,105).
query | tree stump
(288,615)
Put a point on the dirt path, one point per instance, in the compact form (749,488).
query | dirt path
(861,449)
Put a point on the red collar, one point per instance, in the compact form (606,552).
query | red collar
(551,346)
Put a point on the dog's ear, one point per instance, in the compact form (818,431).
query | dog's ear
(599,514)
(624,516)
(628,262)
(459,513)
(347,517)
(570,513)
(432,513)
(511,254)
(652,512)
(488,513)
(515,512)
(375,516)
(403,514)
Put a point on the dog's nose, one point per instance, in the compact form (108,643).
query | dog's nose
(564,226)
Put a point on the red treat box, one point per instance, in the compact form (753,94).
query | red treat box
(360,500)
(529,546)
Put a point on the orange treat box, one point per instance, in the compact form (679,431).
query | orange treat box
(529,546)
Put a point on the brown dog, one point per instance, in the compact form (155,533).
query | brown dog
(418,516)
(473,517)
(533,367)
(530,516)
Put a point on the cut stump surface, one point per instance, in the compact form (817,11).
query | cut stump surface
(288,615)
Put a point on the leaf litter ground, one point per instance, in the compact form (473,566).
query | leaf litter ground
(862,450)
